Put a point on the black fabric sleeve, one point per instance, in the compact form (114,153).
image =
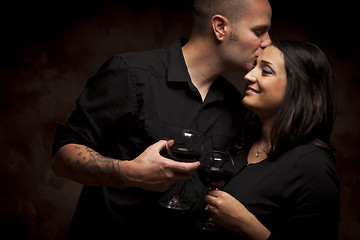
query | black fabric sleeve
(314,199)
(107,98)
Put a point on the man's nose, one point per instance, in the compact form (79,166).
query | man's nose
(266,41)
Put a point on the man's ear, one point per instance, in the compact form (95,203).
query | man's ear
(220,25)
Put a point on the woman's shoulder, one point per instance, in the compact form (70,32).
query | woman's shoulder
(306,153)
(309,161)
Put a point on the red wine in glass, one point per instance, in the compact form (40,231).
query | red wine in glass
(213,177)
(215,172)
(182,154)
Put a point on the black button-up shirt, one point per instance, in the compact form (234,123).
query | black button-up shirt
(133,101)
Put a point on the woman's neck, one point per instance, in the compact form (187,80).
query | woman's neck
(261,148)
(266,124)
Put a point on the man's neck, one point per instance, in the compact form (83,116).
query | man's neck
(203,66)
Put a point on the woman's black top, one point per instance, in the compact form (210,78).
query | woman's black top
(296,195)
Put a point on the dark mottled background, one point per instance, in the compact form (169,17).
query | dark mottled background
(49,50)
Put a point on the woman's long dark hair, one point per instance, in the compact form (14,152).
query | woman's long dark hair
(308,110)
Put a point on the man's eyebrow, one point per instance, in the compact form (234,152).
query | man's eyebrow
(263,27)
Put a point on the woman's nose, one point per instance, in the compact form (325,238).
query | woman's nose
(249,77)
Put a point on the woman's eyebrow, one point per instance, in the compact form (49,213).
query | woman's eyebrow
(264,62)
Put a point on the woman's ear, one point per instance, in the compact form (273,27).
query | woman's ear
(220,25)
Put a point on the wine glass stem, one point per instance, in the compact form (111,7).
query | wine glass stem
(209,224)
(177,192)
(175,201)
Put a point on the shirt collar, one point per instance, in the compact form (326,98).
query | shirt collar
(178,72)
(217,91)
(177,69)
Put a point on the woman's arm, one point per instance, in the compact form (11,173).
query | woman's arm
(229,213)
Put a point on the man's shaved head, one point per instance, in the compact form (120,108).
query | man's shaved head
(204,10)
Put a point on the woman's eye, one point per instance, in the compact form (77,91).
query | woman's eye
(267,71)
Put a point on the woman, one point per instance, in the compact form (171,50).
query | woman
(284,185)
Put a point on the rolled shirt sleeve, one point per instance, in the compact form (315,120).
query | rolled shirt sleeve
(109,96)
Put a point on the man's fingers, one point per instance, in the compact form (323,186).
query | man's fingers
(159,145)
(174,169)
(182,167)
(180,170)
(162,144)
(170,142)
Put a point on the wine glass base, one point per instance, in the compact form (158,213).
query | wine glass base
(175,203)
(210,226)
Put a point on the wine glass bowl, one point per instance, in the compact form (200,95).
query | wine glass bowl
(215,172)
(182,145)
(185,145)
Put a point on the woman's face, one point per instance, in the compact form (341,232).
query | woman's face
(266,83)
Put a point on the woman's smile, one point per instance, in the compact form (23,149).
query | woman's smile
(251,91)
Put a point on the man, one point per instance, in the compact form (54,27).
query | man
(134,98)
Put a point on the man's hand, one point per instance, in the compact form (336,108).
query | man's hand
(149,170)
(153,172)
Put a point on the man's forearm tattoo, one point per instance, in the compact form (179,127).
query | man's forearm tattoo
(94,169)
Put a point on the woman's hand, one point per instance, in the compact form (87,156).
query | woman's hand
(225,209)
(229,213)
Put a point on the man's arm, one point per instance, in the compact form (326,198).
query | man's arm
(149,170)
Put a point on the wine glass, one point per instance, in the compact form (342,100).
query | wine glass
(215,172)
(182,145)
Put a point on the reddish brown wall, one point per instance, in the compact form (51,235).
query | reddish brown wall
(49,51)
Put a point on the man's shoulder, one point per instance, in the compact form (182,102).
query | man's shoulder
(144,59)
